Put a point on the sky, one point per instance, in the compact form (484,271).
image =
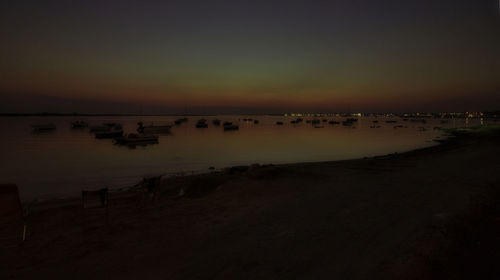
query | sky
(270,56)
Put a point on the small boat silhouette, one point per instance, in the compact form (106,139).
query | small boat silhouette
(43,127)
(79,124)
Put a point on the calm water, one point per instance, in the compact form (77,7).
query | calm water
(63,162)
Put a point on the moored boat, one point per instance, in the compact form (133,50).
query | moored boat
(153,128)
(179,121)
(202,124)
(43,127)
(136,139)
(79,124)
(349,122)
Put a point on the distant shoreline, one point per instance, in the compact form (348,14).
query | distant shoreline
(122,115)
(342,114)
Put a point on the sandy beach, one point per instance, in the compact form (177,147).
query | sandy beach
(426,214)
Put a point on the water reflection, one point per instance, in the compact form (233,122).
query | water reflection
(67,160)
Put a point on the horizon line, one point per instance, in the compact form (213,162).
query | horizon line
(415,114)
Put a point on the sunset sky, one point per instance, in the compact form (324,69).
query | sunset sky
(249,56)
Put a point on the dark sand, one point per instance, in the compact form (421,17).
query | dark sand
(430,213)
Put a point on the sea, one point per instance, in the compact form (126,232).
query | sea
(63,162)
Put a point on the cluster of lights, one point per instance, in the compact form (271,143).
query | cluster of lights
(391,115)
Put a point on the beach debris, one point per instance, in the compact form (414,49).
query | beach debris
(95,198)
(151,187)
(181,192)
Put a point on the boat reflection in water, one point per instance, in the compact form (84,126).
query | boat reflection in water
(111,134)
(99,128)
(133,139)
(79,124)
(231,127)
(228,126)
(157,129)
(79,160)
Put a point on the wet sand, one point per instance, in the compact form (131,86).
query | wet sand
(429,213)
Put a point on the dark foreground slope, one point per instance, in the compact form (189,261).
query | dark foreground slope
(430,213)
